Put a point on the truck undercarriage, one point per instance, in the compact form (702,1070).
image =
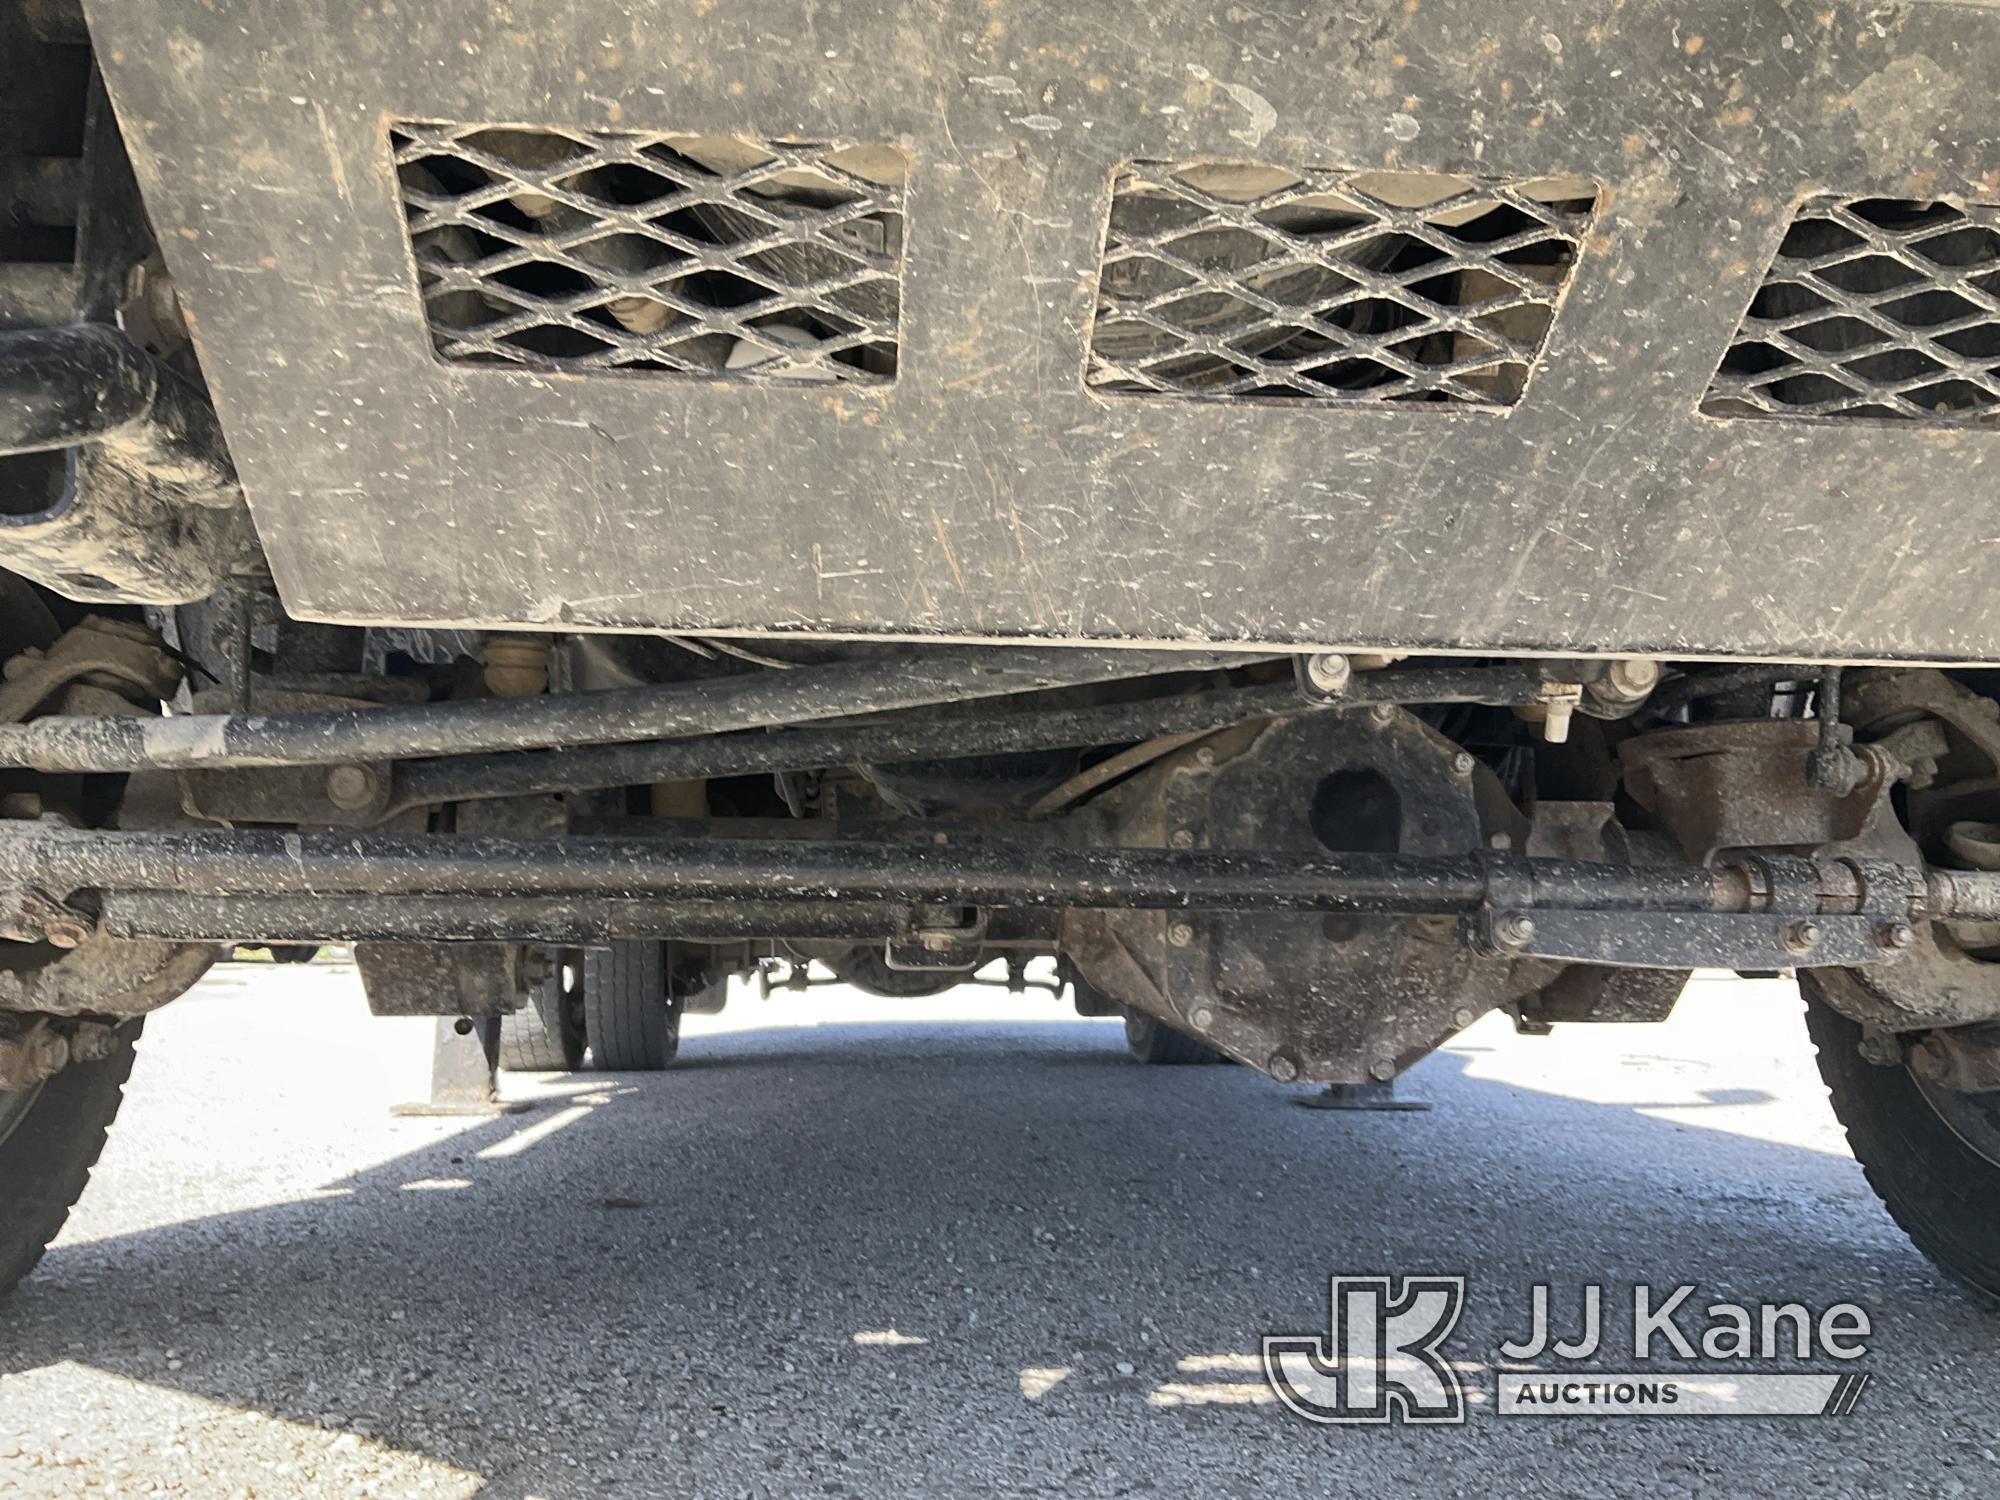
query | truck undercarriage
(582,513)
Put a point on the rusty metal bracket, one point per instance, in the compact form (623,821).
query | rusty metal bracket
(1965,1059)
(119,486)
(1681,940)
(442,979)
(108,977)
(31,916)
(938,937)
(1747,785)
(32,1051)
(115,654)
(34,1048)
(1950,737)
(1832,765)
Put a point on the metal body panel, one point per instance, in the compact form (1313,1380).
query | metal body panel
(985,493)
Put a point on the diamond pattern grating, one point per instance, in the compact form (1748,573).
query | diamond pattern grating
(717,257)
(1873,308)
(1251,281)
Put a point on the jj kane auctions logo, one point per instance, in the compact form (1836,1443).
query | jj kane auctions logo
(1383,1356)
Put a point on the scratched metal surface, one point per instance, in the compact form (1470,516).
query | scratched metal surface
(987,494)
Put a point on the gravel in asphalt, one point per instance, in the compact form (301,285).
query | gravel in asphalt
(961,1248)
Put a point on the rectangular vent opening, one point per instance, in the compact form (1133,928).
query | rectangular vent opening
(1250,281)
(1873,309)
(713,256)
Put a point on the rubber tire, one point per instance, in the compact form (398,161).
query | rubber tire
(1156,1042)
(632,1025)
(45,1162)
(542,1036)
(1943,1194)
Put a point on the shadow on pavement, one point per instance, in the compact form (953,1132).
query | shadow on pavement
(886,1259)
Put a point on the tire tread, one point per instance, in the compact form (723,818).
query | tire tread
(632,1027)
(46,1163)
(536,1038)
(1941,1193)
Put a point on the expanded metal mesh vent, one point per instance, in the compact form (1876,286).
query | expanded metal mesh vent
(713,256)
(1874,307)
(1237,280)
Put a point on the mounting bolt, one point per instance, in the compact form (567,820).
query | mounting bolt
(1463,762)
(63,930)
(1630,679)
(1327,672)
(1799,937)
(1204,756)
(1382,713)
(1463,1017)
(1896,936)
(1182,839)
(351,788)
(1201,1018)
(1513,930)
(1282,1068)
(1180,934)
(1382,1069)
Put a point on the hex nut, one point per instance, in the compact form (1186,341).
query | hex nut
(1282,1068)
(1180,934)
(1630,679)
(1896,936)
(1382,1069)
(1799,937)
(350,787)
(1327,672)
(1201,1018)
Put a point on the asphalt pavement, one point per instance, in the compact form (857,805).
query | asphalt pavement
(961,1248)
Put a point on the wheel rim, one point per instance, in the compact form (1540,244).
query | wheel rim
(14,1107)
(1973,1118)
